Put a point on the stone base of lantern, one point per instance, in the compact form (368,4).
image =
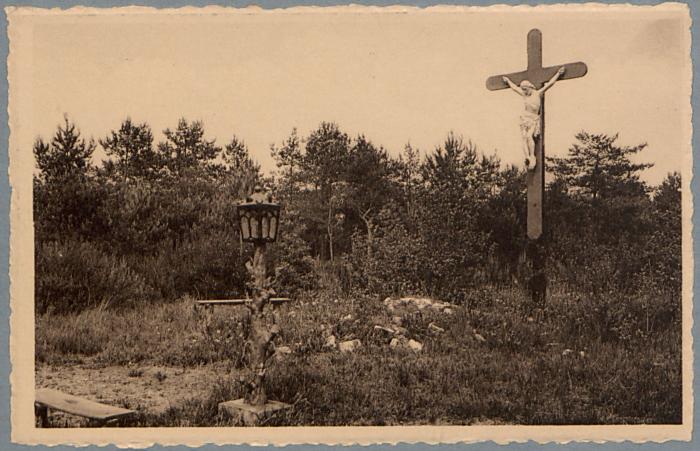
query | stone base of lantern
(249,414)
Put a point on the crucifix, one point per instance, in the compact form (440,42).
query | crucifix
(532,84)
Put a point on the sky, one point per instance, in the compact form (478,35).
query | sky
(396,77)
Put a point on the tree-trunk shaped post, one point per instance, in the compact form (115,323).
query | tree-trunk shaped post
(261,331)
(258,221)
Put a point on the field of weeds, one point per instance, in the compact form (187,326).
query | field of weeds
(491,360)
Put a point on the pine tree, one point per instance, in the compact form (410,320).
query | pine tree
(66,155)
(185,148)
(598,167)
(132,151)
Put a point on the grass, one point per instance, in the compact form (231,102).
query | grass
(581,360)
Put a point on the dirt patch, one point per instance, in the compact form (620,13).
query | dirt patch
(149,389)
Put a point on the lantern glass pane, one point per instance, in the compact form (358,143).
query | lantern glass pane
(254,227)
(265,227)
(273,228)
(245,227)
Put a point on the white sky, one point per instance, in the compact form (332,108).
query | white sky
(396,77)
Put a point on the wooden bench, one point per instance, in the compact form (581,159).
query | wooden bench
(98,414)
(273,301)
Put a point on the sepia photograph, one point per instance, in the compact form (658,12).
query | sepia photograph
(350,224)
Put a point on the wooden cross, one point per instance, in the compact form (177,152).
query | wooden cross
(537,75)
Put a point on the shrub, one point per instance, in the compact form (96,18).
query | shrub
(74,275)
(292,262)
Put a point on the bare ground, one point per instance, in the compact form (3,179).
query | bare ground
(149,389)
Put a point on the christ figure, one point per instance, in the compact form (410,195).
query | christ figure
(530,128)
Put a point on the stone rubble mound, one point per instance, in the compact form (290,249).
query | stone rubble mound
(414,303)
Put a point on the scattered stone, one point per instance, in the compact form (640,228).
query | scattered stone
(330,342)
(398,330)
(397,320)
(394,342)
(435,328)
(417,303)
(479,337)
(349,346)
(347,317)
(567,351)
(384,329)
(582,354)
(281,352)
(530,319)
(415,345)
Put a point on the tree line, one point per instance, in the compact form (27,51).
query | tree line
(155,221)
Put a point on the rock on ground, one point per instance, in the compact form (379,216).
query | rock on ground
(435,328)
(281,352)
(331,342)
(415,345)
(350,345)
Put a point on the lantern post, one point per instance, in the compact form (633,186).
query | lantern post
(258,222)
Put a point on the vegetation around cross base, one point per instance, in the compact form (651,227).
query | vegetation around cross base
(574,362)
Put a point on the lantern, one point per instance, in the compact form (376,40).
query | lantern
(258,218)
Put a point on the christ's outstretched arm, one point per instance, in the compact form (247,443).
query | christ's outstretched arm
(552,80)
(513,86)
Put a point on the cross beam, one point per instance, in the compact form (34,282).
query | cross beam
(535,73)
(538,76)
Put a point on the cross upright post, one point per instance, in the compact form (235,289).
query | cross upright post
(537,76)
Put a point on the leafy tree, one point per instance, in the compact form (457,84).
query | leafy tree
(504,217)
(68,154)
(450,203)
(366,186)
(667,196)
(326,155)
(288,161)
(309,183)
(185,148)
(131,148)
(243,171)
(663,250)
(599,168)
(600,221)
(407,179)
(67,199)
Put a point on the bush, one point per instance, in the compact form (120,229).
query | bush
(393,268)
(72,275)
(293,264)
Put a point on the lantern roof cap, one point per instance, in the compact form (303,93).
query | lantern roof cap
(259,196)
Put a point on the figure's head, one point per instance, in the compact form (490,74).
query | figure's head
(527,87)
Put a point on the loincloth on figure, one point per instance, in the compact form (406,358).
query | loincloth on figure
(530,125)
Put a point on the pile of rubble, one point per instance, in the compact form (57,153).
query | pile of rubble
(395,334)
(412,303)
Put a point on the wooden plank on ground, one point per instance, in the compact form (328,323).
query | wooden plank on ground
(57,400)
(238,301)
